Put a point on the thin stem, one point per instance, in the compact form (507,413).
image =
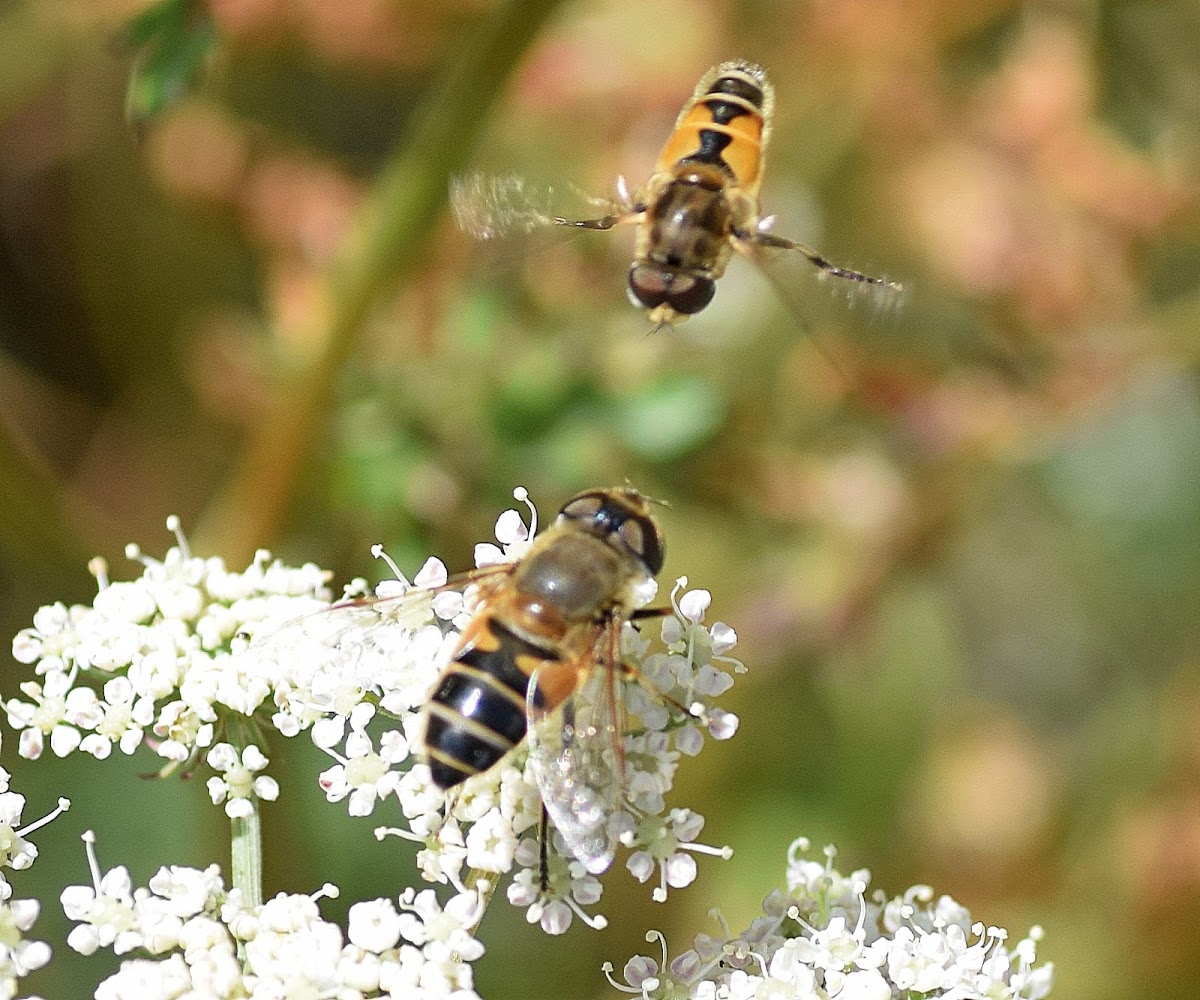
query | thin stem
(246,849)
(386,245)
(247,855)
(489,879)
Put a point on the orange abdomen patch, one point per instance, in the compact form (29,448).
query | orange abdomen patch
(721,131)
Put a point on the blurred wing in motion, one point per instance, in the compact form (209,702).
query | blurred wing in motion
(577,752)
(490,207)
(493,207)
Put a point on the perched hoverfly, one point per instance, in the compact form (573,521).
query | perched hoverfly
(698,207)
(536,658)
(542,630)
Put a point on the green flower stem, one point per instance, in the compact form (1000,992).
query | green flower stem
(247,855)
(386,245)
(246,848)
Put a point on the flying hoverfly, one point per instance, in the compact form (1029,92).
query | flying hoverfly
(699,206)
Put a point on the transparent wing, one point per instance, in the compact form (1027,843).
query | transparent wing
(366,639)
(492,206)
(577,751)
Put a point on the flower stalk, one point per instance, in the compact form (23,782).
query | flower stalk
(246,845)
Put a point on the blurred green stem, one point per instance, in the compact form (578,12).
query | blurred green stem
(37,531)
(386,244)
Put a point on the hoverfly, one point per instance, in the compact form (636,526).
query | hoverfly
(537,658)
(698,207)
(540,631)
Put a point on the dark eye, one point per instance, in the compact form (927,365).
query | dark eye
(622,517)
(651,286)
(690,294)
(648,286)
(649,544)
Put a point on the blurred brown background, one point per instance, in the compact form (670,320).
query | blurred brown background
(959,540)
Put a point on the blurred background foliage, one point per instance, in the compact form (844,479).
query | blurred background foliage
(960,540)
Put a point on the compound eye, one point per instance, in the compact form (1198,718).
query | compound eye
(642,537)
(648,286)
(689,294)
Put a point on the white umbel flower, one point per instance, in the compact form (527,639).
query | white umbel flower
(824,940)
(206,943)
(160,649)
(238,780)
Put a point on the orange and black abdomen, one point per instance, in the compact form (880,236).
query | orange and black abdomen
(723,127)
(477,712)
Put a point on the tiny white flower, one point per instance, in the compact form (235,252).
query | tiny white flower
(46,714)
(512,533)
(147,980)
(19,956)
(669,845)
(238,781)
(491,843)
(104,909)
(374,925)
(16,852)
(569,888)
(363,774)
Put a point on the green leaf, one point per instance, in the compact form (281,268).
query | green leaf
(173,40)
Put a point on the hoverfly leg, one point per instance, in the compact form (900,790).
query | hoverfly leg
(604,223)
(763,238)
(544,852)
(643,613)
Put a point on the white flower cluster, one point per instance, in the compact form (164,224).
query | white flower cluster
(824,940)
(159,649)
(18,956)
(201,941)
(189,643)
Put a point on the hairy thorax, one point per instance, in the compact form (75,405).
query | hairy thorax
(577,578)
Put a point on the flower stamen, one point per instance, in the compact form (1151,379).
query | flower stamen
(63,805)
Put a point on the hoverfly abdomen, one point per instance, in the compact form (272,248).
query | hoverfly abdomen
(477,713)
(723,125)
